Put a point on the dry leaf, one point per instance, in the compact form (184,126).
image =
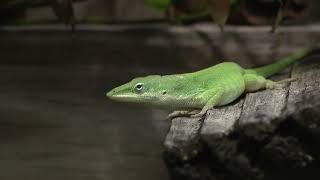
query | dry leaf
(219,11)
(64,11)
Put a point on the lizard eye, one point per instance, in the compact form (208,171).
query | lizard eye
(139,87)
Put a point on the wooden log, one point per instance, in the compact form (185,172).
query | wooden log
(269,134)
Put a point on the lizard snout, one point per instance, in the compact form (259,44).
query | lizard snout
(110,93)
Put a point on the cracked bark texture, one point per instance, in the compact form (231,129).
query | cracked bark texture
(270,134)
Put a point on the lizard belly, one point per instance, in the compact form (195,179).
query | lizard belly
(233,87)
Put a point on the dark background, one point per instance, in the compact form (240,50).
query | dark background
(56,122)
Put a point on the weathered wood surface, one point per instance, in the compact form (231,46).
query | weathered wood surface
(271,134)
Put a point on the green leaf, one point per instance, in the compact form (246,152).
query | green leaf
(161,5)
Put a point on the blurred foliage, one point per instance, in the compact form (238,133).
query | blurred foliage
(183,11)
(219,11)
(11,9)
(242,11)
(64,11)
(13,4)
(161,5)
(272,11)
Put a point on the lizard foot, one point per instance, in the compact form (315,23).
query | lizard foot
(287,81)
(280,84)
(200,114)
(175,114)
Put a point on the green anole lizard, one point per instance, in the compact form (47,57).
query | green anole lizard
(214,86)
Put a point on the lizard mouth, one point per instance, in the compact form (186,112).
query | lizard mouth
(118,97)
(128,97)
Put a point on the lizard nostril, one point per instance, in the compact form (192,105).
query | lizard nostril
(164,92)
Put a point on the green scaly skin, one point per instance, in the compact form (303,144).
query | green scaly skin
(214,86)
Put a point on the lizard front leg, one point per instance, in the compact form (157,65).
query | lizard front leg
(186,113)
(213,98)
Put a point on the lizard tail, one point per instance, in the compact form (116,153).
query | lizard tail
(274,68)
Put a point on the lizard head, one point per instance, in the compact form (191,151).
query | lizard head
(145,90)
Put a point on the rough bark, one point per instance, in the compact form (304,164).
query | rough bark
(271,134)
